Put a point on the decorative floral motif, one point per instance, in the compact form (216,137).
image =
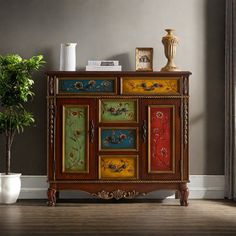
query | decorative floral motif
(117,194)
(115,111)
(79,85)
(75,139)
(118,138)
(160,152)
(114,166)
(106,83)
(118,110)
(115,139)
(118,167)
(91,82)
(149,86)
(86,85)
(159,114)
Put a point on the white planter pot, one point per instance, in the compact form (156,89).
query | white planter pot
(10,186)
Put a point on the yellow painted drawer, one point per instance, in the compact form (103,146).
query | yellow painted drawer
(150,85)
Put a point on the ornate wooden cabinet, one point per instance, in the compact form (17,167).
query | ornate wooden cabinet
(118,134)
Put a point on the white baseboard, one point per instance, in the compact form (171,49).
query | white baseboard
(200,187)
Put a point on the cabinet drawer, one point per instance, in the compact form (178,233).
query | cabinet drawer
(87,85)
(150,85)
(118,167)
(118,139)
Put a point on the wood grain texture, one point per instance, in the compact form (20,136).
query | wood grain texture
(202,217)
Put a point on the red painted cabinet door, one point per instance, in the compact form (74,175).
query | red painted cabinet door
(161,139)
(76,139)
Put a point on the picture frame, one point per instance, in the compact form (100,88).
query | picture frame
(144,59)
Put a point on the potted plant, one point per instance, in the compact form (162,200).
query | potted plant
(15,91)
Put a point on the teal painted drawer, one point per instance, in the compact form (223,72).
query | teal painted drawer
(87,85)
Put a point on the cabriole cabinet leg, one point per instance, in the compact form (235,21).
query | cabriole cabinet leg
(184,193)
(51,197)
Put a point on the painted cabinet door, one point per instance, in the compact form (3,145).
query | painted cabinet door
(75,155)
(161,139)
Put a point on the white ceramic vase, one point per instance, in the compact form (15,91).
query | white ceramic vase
(68,57)
(10,186)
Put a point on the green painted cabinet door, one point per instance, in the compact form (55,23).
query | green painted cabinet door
(76,139)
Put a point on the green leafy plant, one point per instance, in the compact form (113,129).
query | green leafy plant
(15,91)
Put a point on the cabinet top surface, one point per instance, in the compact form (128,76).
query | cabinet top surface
(117,73)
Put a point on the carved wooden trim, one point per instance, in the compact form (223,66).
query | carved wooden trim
(184,193)
(117,194)
(185,104)
(118,181)
(51,107)
(119,96)
(51,85)
(185,85)
(51,197)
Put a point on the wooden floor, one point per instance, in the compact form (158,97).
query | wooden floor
(202,217)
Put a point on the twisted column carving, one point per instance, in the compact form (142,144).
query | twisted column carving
(51,108)
(51,85)
(185,105)
(185,85)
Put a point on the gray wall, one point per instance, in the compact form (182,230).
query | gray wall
(111,29)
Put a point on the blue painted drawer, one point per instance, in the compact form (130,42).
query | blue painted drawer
(87,85)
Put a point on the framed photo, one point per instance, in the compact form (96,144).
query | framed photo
(144,59)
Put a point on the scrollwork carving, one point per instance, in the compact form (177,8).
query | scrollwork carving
(117,194)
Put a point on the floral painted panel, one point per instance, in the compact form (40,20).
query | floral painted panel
(92,85)
(160,152)
(118,167)
(149,86)
(118,110)
(75,138)
(118,138)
